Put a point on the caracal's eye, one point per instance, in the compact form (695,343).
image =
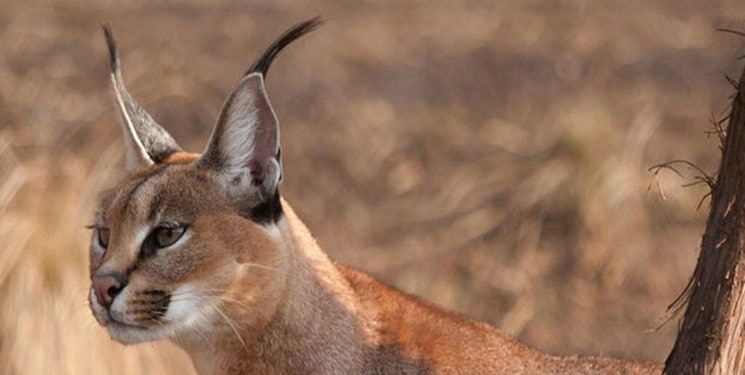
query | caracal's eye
(103,237)
(165,236)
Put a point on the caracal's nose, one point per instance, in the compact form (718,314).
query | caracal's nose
(107,288)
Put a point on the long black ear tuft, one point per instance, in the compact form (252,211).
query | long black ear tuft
(262,64)
(145,141)
(243,152)
(113,50)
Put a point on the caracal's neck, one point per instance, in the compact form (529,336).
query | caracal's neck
(315,327)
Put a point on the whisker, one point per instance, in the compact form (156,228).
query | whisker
(230,323)
(198,290)
(212,297)
(202,316)
(265,267)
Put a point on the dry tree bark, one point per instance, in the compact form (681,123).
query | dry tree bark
(712,334)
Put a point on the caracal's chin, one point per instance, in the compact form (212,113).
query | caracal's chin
(127,334)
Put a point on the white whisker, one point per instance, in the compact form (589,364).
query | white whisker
(230,323)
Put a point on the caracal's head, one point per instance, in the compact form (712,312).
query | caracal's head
(185,238)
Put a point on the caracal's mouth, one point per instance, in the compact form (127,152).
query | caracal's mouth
(122,331)
(180,315)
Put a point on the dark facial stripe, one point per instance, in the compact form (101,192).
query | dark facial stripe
(154,292)
(152,311)
(268,211)
(142,180)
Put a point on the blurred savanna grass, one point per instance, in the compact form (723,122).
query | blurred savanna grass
(489,156)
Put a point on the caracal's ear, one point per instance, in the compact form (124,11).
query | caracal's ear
(244,147)
(243,152)
(145,141)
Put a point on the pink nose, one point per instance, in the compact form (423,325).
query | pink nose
(106,288)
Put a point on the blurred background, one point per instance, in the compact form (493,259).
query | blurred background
(489,156)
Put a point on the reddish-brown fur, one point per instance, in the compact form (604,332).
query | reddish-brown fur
(306,313)
(243,287)
(181,158)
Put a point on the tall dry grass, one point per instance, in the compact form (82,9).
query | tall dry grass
(45,323)
(489,156)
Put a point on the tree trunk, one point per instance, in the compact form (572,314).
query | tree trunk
(711,337)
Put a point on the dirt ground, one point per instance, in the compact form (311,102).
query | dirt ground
(489,156)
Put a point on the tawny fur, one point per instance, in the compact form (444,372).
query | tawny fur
(244,288)
(309,314)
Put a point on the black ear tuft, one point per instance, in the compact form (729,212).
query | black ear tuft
(113,50)
(145,141)
(244,152)
(262,64)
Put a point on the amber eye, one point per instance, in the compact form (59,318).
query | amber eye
(103,237)
(165,236)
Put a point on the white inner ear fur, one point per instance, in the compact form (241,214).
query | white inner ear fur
(136,154)
(239,137)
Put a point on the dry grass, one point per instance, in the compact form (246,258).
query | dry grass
(490,157)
